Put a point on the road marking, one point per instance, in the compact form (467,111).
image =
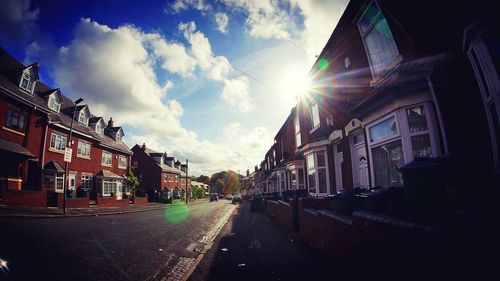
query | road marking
(214,231)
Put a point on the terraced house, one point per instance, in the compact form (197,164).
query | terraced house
(397,82)
(36,121)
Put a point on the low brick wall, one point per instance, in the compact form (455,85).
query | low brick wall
(138,201)
(77,202)
(29,198)
(112,202)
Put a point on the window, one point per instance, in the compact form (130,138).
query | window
(118,136)
(311,173)
(99,129)
(83,118)
(58,142)
(378,40)
(484,55)
(407,134)
(298,140)
(315,115)
(107,158)
(384,130)
(83,149)
(54,104)
(300,172)
(122,162)
(16,119)
(27,82)
(86,184)
(108,187)
(59,184)
(282,180)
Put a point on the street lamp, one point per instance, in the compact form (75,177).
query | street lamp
(68,143)
(187,196)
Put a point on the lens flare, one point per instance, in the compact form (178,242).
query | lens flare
(177,212)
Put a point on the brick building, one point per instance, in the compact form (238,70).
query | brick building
(35,126)
(160,175)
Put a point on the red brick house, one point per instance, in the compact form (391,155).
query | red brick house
(35,125)
(159,175)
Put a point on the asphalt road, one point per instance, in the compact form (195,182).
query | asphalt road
(133,246)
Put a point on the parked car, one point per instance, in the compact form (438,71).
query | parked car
(214,197)
(229,197)
(236,199)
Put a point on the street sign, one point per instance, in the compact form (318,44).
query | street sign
(67,154)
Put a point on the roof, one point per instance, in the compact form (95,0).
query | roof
(167,168)
(10,70)
(108,174)
(15,148)
(54,165)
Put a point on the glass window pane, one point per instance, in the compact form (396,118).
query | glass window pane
(416,119)
(320,156)
(310,161)
(301,176)
(298,140)
(385,159)
(421,146)
(368,17)
(322,180)
(381,47)
(315,115)
(383,130)
(312,180)
(359,138)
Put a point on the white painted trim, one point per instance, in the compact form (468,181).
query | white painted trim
(74,131)
(336,135)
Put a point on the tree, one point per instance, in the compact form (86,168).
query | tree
(132,182)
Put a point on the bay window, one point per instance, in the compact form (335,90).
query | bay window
(108,187)
(317,172)
(59,183)
(86,184)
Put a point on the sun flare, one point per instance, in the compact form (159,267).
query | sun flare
(294,82)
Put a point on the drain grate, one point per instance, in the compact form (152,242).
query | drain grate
(196,247)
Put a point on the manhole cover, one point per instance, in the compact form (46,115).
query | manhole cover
(195,247)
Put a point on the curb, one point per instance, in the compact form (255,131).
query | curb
(78,215)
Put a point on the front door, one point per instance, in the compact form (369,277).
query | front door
(119,190)
(362,166)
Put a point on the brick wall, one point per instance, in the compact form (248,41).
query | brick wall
(111,202)
(138,201)
(30,198)
(77,202)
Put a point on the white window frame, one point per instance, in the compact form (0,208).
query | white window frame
(118,136)
(99,129)
(120,158)
(86,181)
(53,103)
(59,176)
(298,137)
(390,67)
(404,135)
(62,140)
(314,108)
(111,187)
(316,171)
(82,117)
(489,85)
(31,81)
(104,157)
(84,147)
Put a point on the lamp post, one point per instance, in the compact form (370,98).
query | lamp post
(68,143)
(187,196)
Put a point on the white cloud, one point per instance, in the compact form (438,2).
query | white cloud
(17,22)
(113,70)
(221,19)
(236,93)
(180,5)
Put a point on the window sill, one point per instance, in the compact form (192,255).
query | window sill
(106,165)
(13,131)
(83,157)
(121,167)
(56,151)
(314,129)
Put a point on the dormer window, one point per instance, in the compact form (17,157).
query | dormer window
(118,136)
(28,79)
(54,104)
(99,129)
(83,118)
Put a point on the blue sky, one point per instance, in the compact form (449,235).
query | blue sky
(207,80)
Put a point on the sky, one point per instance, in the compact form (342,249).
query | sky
(211,81)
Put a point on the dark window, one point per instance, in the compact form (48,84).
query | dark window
(16,119)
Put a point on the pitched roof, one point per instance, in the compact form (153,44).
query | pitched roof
(108,174)
(54,165)
(15,148)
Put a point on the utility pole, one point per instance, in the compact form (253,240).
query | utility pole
(68,143)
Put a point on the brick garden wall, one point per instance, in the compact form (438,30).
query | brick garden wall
(30,198)
(111,202)
(139,201)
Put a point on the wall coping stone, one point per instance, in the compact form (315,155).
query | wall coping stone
(311,211)
(272,201)
(335,216)
(284,203)
(395,221)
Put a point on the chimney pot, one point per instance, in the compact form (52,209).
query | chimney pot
(110,122)
(144,146)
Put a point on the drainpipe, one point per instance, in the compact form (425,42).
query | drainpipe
(44,143)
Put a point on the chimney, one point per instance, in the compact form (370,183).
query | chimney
(143,146)
(248,172)
(184,168)
(177,164)
(256,168)
(110,122)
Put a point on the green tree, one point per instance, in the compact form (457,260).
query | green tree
(132,182)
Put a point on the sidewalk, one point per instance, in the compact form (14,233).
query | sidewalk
(53,212)
(255,247)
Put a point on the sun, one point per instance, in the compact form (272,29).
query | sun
(294,82)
